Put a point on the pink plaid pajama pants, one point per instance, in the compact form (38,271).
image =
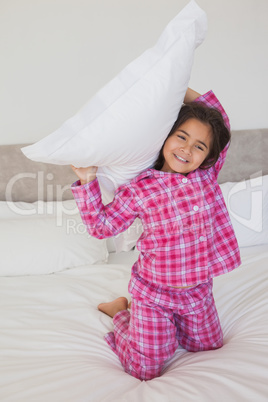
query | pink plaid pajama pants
(162,318)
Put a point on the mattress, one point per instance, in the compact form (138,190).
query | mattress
(52,346)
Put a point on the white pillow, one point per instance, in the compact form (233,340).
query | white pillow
(21,209)
(122,128)
(43,238)
(247,203)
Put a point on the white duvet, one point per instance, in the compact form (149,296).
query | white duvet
(52,347)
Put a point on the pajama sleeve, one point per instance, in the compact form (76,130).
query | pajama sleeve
(109,220)
(210,100)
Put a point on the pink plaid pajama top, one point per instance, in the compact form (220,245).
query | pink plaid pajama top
(187,234)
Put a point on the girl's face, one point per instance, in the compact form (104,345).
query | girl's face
(187,148)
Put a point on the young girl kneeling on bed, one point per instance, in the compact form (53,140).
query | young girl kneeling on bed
(187,240)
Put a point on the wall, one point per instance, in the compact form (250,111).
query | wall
(55,54)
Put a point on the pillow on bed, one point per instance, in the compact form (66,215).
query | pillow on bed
(122,128)
(42,238)
(247,203)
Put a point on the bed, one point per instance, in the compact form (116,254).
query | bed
(53,276)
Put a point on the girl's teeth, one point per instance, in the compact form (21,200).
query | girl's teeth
(181,159)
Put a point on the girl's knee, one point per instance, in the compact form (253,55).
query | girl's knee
(143,367)
(144,373)
(193,345)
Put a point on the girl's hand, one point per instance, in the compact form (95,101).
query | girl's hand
(86,175)
(191,95)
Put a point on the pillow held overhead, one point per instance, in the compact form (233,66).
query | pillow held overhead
(122,128)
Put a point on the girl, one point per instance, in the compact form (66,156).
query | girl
(187,240)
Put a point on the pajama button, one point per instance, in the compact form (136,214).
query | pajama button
(184,180)
(195,208)
(202,238)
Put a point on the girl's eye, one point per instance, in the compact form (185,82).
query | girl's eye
(181,136)
(198,147)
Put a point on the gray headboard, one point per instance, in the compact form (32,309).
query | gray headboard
(247,156)
(24,180)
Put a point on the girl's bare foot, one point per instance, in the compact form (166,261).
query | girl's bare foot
(113,307)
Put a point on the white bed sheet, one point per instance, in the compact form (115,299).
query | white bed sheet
(52,346)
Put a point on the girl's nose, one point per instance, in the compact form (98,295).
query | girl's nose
(186,149)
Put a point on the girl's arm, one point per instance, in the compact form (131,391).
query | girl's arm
(210,100)
(191,95)
(102,221)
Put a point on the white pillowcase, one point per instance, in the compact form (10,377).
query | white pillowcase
(122,128)
(42,238)
(247,203)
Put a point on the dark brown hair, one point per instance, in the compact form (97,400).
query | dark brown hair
(220,133)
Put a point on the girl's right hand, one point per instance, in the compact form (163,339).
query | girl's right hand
(86,175)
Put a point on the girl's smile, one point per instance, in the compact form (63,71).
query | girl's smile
(187,148)
(181,159)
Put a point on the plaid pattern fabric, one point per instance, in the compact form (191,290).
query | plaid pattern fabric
(146,338)
(187,233)
(187,239)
